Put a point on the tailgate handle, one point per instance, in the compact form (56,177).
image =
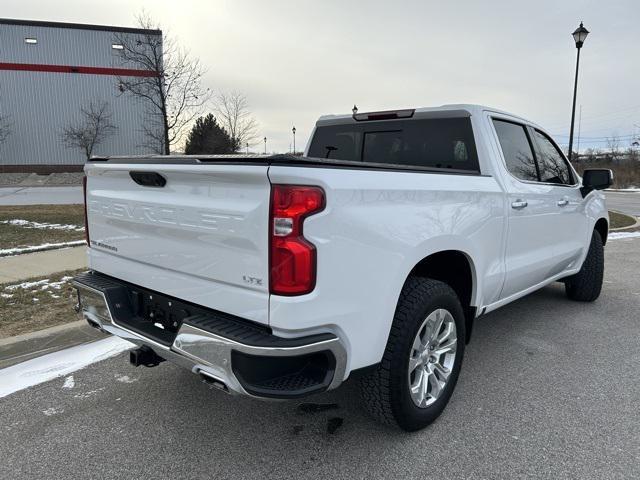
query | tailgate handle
(148,179)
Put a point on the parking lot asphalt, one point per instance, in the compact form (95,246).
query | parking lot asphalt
(549,388)
(625,202)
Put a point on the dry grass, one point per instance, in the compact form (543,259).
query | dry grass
(37,303)
(12,236)
(619,220)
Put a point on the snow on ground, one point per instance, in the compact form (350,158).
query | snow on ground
(42,226)
(38,248)
(618,235)
(44,285)
(58,364)
(69,382)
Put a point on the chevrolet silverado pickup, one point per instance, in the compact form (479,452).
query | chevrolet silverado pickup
(280,276)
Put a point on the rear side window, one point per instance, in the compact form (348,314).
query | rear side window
(436,143)
(553,167)
(516,149)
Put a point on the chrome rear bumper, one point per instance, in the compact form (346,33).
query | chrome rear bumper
(255,364)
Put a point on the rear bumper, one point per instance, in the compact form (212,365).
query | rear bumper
(232,354)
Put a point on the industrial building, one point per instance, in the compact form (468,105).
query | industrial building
(49,71)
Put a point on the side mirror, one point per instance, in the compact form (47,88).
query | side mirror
(596,179)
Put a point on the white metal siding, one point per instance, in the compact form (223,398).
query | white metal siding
(41,104)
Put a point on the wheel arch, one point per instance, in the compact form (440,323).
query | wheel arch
(455,268)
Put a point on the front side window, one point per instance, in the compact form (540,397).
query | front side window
(516,150)
(436,143)
(553,167)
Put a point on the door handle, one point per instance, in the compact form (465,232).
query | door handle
(519,204)
(563,202)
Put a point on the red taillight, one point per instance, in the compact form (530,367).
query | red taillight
(86,219)
(293,258)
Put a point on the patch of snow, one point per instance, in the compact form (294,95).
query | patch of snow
(26,285)
(6,295)
(35,299)
(44,284)
(4,252)
(52,411)
(58,364)
(619,235)
(42,226)
(88,394)
(69,382)
(54,296)
(126,379)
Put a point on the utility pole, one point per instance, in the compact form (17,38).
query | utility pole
(579,127)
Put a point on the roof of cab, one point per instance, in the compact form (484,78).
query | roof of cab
(449,110)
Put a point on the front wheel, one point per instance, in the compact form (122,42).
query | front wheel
(419,369)
(585,286)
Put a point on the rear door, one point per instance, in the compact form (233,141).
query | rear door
(529,252)
(201,237)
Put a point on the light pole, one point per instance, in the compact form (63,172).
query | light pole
(265,145)
(294,139)
(247,148)
(579,36)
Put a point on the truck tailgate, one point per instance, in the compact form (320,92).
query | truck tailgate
(202,237)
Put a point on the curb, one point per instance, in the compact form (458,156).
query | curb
(21,348)
(72,244)
(41,333)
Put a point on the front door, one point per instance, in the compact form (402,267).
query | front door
(570,223)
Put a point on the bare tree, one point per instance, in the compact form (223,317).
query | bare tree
(5,128)
(232,111)
(613,146)
(173,92)
(94,128)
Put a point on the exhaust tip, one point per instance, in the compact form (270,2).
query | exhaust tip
(211,380)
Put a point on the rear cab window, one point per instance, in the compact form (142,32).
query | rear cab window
(517,150)
(443,143)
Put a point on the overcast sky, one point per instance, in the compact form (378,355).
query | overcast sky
(296,60)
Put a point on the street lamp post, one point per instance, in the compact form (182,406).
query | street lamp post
(247,148)
(294,139)
(265,145)
(579,36)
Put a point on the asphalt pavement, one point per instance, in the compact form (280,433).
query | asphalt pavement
(549,388)
(625,202)
(58,195)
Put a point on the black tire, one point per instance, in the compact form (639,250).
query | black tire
(385,390)
(585,286)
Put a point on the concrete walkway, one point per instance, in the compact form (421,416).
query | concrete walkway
(39,264)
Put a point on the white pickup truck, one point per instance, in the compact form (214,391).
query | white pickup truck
(279,276)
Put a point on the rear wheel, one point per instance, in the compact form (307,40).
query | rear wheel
(585,286)
(415,379)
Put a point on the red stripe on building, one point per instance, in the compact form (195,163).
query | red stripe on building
(120,72)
